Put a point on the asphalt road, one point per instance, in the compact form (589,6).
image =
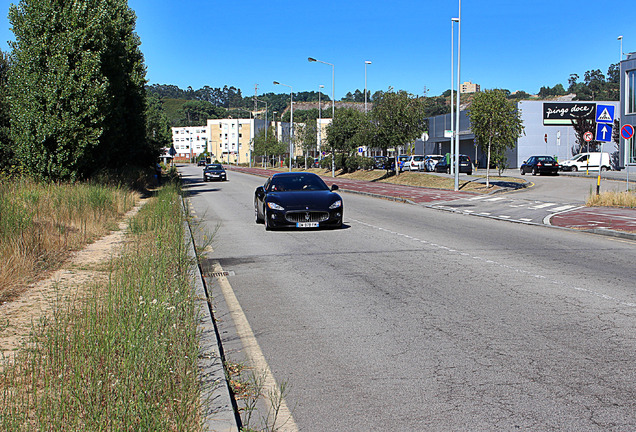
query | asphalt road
(412,318)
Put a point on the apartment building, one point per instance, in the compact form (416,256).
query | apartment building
(189,141)
(469,87)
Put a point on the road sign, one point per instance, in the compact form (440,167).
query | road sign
(588,136)
(603,132)
(604,113)
(627,131)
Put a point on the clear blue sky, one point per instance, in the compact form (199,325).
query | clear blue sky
(517,45)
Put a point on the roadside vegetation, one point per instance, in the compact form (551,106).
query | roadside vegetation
(626,199)
(42,223)
(123,356)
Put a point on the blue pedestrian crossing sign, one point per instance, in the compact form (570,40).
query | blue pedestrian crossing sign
(603,132)
(604,113)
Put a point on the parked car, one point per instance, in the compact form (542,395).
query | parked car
(214,172)
(297,200)
(540,165)
(431,161)
(465,165)
(380,161)
(201,162)
(591,161)
(415,163)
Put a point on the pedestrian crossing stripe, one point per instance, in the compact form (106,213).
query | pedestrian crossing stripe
(605,116)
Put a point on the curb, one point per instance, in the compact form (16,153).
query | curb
(217,407)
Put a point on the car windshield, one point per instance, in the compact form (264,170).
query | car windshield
(214,167)
(297,183)
(545,159)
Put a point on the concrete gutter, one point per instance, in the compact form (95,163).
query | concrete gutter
(218,413)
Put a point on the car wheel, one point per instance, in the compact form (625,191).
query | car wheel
(522,172)
(258,218)
(603,168)
(534,171)
(266,220)
(574,168)
(469,173)
(448,170)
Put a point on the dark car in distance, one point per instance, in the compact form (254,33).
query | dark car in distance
(540,165)
(297,200)
(214,172)
(465,166)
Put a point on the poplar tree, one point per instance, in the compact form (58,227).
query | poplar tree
(77,88)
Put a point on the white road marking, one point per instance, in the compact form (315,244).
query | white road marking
(253,351)
(562,208)
(525,220)
(494,199)
(540,206)
(526,272)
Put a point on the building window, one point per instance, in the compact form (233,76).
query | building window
(630,89)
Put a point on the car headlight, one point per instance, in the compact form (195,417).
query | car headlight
(335,205)
(275,206)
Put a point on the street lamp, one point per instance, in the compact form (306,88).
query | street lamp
(320,121)
(333,106)
(367,62)
(452,140)
(620,57)
(291,124)
(459,41)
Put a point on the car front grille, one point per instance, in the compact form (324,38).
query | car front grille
(306,216)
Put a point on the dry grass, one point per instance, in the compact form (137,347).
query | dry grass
(124,357)
(40,224)
(625,199)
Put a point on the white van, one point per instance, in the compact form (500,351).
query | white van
(585,161)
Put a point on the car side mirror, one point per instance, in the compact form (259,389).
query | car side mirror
(334,187)
(260,192)
(525,161)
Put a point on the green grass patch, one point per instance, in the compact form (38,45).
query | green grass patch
(125,356)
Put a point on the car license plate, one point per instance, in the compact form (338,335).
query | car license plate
(306,224)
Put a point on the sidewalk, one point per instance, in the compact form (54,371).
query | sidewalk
(612,221)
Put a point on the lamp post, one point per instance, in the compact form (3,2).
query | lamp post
(620,57)
(291,123)
(459,41)
(452,113)
(333,106)
(367,62)
(320,121)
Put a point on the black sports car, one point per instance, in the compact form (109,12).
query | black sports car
(214,172)
(297,200)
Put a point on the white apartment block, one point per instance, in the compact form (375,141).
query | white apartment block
(189,141)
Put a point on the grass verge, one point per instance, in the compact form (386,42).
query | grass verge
(125,356)
(40,224)
(626,199)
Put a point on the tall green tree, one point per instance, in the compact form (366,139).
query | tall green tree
(400,119)
(7,160)
(496,123)
(343,132)
(78,99)
(159,134)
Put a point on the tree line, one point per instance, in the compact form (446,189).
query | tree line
(72,98)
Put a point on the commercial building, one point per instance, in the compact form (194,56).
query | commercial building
(547,131)
(627,153)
